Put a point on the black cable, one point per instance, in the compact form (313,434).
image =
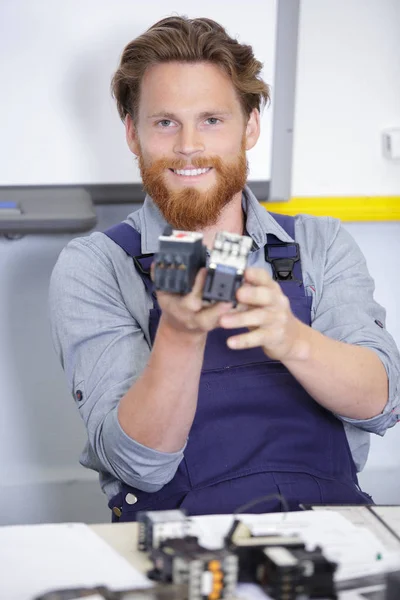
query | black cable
(252,503)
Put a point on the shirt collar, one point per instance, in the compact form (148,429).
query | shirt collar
(149,221)
(259,221)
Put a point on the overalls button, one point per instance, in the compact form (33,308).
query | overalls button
(131,499)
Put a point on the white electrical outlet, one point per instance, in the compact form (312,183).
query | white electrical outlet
(391,143)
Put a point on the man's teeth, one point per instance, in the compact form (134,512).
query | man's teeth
(189,172)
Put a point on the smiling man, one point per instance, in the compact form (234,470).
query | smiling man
(207,407)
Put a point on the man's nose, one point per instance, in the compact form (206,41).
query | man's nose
(189,141)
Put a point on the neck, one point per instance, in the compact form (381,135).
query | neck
(231,219)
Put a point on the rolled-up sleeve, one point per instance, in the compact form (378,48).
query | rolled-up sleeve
(103,350)
(346,311)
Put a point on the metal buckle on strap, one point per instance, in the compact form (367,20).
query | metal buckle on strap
(282,267)
(138,264)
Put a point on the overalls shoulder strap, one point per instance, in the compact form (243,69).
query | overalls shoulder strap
(129,239)
(286,222)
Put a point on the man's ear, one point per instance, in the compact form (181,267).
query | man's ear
(252,129)
(131,135)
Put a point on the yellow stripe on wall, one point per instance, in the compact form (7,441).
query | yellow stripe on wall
(350,208)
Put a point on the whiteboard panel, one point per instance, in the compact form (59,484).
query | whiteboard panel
(58,122)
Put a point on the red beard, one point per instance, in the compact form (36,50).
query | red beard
(189,209)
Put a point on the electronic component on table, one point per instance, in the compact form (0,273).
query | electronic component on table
(209,574)
(228,261)
(179,559)
(240,535)
(307,572)
(281,565)
(159,525)
(180,256)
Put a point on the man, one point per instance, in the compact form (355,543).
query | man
(209,407)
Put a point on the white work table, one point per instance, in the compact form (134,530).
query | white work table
(75,555)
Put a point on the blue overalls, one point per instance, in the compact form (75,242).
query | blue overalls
(256,430)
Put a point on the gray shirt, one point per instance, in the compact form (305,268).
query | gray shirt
(99,311)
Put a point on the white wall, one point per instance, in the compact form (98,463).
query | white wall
(348,91)
(336,151)
(57,115)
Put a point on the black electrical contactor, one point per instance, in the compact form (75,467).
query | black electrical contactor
(180,257)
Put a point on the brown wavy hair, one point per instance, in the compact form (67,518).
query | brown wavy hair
(188,40)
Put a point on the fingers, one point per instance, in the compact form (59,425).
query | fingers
(253,339)
(261,290)
(257,276)
(267,316)
(269,339)
(255,296)
(251,318)
(261,296)
(199,282)
(194,300)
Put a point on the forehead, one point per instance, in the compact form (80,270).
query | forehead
(186,88)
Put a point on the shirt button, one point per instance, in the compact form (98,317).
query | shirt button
(131,499)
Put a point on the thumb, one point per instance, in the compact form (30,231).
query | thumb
(199,282)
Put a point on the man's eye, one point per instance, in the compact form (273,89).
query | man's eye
(213,120)
(164,123)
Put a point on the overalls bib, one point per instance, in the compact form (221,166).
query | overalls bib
(256,430)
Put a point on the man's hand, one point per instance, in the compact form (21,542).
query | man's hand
(189,314)
(268,316)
